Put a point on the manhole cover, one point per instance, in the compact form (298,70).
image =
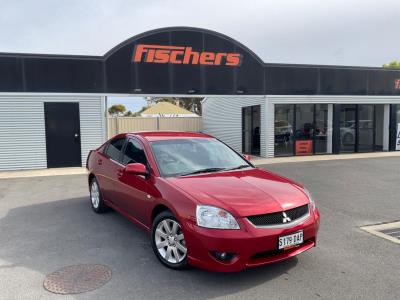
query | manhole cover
(389,231)
(77,279)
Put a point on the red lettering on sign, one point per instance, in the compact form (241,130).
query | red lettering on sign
(183,55)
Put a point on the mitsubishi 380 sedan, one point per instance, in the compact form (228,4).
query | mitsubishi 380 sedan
(203,204)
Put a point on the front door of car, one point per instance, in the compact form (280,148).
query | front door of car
(131,189)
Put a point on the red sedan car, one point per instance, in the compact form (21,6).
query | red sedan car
(203,203)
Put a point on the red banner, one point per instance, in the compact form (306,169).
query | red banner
(397,84)
(304,147)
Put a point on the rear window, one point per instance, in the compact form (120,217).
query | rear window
(114,149)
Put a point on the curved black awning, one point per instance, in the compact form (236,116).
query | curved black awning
(185,60)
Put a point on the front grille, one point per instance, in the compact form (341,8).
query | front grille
(277,218)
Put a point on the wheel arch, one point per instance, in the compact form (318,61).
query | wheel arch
(90,177)
(159,208)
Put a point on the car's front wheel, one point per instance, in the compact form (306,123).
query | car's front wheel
(168,241)
(96,198)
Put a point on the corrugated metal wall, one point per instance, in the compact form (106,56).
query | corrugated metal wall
(92,118)
(22,134)
(22,128)
(222,118)
(270,130)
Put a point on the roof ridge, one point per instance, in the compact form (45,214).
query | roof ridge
(165,107)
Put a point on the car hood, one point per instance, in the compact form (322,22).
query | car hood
(243,192)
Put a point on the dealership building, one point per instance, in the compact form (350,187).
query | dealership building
(53,107)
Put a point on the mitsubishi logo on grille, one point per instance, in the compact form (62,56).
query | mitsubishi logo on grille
(285,218)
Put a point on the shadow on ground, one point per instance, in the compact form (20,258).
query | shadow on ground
(45,237)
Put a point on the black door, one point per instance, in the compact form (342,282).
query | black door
(251,121)
(63,141)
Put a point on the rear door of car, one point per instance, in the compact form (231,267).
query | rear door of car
(131,189)
(109,166)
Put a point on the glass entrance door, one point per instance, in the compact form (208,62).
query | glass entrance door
(284,121)
(246,129)
(251,120)
(357,128)
(304,134)
(366,124)
(301,129)
(348,116)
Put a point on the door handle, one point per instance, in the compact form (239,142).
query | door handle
(76,135)
(120,173)
(100,162)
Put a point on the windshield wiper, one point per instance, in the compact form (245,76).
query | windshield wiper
(207,170)
(238,167)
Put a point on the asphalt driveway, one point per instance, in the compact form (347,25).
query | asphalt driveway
(46,223)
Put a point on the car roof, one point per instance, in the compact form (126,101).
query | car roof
(166,135)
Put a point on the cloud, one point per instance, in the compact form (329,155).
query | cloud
(342,32)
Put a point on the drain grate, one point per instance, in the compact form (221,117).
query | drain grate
(77,279)
(389,231)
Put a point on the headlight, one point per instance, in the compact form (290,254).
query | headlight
(214,217)
(312,202)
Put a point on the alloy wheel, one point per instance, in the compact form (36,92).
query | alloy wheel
(95,194)
(170,241)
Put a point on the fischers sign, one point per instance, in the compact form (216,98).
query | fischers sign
(183,55)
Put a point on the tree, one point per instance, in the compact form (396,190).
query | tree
(392,65)
(128,114)
(116,110)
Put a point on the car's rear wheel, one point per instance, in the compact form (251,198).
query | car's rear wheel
(168,241)
(96,198)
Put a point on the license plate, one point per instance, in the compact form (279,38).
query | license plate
(290,240)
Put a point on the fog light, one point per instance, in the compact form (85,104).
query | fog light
(222,256)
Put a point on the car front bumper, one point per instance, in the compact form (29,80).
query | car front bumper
(250,245)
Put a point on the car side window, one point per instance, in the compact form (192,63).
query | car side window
(134,153)
(114,149)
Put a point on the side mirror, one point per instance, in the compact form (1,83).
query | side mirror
(247,157)
(136,168)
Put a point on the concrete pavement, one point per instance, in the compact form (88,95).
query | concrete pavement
(46,223)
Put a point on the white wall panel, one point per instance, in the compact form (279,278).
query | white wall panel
(222,118)
(92,125)
(270,130)
(22,128)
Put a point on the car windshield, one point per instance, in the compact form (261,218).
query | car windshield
(182,157)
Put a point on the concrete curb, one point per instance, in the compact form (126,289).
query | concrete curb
(42,172)
(293,159)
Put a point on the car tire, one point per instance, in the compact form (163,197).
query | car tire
(96,199)
(168,241)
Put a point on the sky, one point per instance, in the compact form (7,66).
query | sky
(329,32)
(133,104)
